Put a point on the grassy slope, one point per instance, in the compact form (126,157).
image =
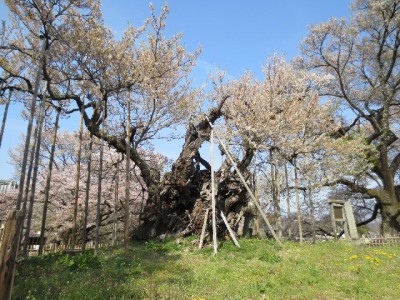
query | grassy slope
(258,270)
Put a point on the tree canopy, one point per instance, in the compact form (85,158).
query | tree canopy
(331,113)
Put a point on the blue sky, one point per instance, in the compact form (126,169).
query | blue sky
(234,35)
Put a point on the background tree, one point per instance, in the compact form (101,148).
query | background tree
(283,113)
(59,224)
(362,57)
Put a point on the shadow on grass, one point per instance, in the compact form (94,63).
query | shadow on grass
(146,271)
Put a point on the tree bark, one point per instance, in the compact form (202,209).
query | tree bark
(183,195)
(390,196)
(386,199)
(176,203)
(390,217)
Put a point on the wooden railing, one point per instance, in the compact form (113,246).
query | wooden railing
(57,248)
(378,240)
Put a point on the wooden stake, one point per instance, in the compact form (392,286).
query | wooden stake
(115,225)
(231,233)
(333,221)
(296,187)
(29,128)
(276,198)
(100,180)
(259,229)
(288,202)
(35,173)
(30,169)
(48,181)
(311,202)
(127,172)
(203,230)
(214,226)
(87,194)
(249,191)
(78,173)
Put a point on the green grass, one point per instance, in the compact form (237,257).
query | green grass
(257,270)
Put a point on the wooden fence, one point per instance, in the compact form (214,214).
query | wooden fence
(48,248)
(57,248)
(378,240)
(9,244)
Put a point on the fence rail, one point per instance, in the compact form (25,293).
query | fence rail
(57,248)
(375,240)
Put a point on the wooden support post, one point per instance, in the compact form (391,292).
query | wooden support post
(87,194)
(249,191)
(9,251)
(243,181)
(231,233)
(99,185)
(214,225)
(334,229)
(36,85)
(203,230)
(296,186)
(127,172)
(48,183)
(115,210)
(78,173)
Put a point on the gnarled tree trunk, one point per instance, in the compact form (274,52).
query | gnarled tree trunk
(177,202)
(184,193)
